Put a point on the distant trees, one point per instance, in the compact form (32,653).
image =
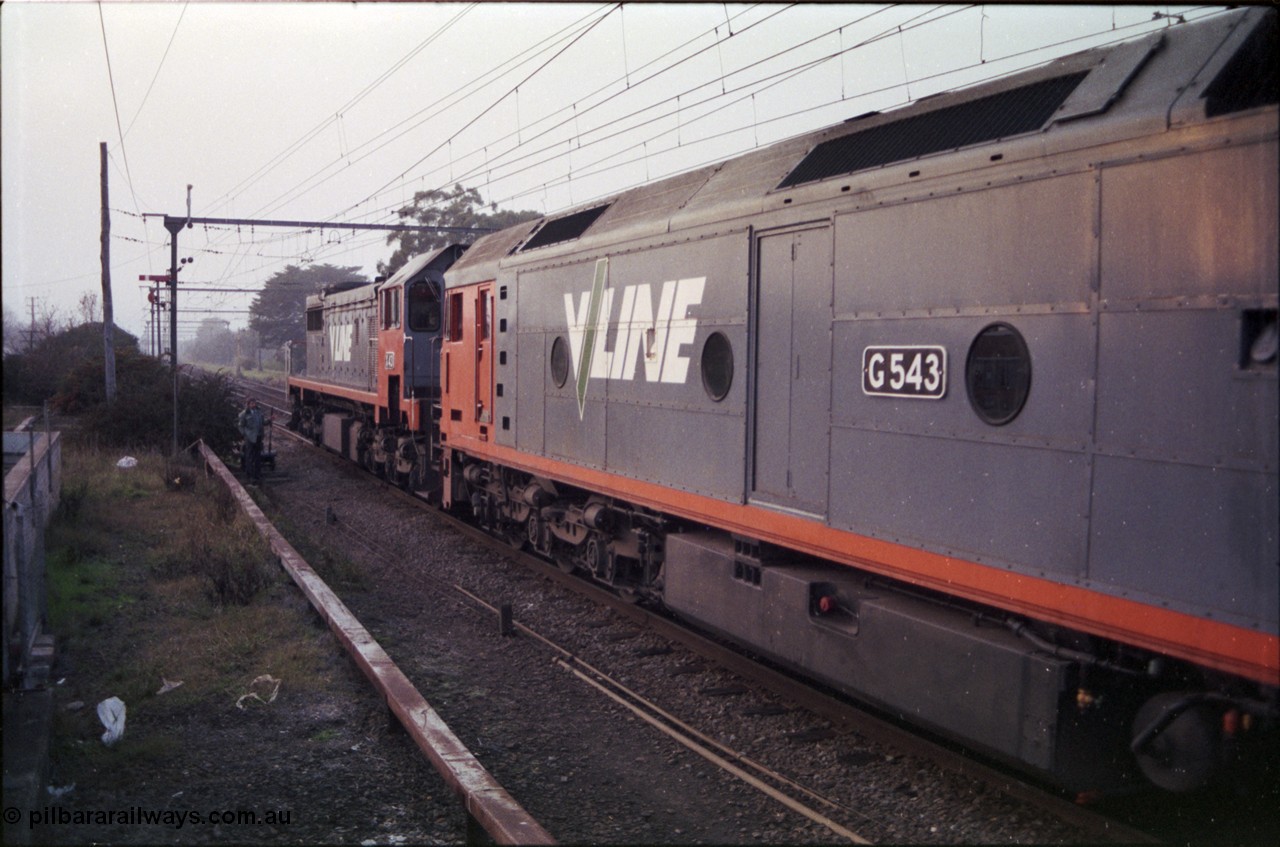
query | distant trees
(276,314)
(214,344)
(459,207)
(22,333)
(15,337)
(88,308)
(142,414)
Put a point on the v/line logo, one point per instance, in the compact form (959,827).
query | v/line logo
(643,335)
(340,337)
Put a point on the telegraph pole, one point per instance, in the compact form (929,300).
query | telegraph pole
(108,326)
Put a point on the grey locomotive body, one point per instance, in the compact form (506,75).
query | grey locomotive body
(1010,350)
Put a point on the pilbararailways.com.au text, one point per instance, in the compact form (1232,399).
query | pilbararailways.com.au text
(139,816)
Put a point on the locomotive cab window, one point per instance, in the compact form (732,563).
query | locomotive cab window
(997,374)
(482,316)
(423,307)
(455,317)
(315,320)
(391,308)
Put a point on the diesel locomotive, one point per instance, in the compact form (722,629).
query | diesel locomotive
(967,409)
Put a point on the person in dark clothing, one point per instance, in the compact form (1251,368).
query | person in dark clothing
(252,426)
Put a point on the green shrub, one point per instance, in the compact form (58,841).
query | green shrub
(232,560)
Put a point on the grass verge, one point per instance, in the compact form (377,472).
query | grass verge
(155,576)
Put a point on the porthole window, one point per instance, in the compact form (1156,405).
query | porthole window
(997,374)
(717,366)
(559,361)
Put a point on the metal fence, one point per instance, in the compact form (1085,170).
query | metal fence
(32,485)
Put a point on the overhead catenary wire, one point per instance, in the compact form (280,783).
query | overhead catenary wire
(432,111)
(155,76)
(641,115)
(115,103)
(494,105)
(290,150)
(501,165)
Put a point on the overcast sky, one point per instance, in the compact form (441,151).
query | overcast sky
(341,111)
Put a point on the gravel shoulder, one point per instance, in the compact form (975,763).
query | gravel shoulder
(324,762)
(584,766)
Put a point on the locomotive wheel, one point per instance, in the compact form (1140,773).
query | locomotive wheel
(597,558)
(1184,755)
(533,532)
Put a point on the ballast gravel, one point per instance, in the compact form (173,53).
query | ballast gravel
(587,768)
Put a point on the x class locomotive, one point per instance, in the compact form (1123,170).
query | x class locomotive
(967,409)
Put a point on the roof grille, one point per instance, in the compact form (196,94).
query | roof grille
(1008,113)
(564,229)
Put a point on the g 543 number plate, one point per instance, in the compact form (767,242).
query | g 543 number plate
(919,372)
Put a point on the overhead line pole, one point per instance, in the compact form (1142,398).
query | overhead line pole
(175,224)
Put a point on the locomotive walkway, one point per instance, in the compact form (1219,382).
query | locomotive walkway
(487,803)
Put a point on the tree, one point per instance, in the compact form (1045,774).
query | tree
(37,375)
(142,415)
(22,332)
(459,207)
(88,308)
(15,334)
(277,312)
(214,344)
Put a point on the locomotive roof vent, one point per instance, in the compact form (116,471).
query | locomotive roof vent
(338,287)
(562,229)
(999,115)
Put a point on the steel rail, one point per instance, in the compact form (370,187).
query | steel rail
(487,803)
(727,759)
(844,715)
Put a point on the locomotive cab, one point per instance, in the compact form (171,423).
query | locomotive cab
(373,370)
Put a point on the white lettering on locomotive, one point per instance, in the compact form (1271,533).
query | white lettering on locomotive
(656,338)
(340,343)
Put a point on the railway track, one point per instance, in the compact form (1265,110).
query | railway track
(843,717)
(831,715)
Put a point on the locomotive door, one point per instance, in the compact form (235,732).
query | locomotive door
(793,370)
(484,352)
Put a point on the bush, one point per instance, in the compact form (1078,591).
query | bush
(232,560)
(142,415)
(35,376)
